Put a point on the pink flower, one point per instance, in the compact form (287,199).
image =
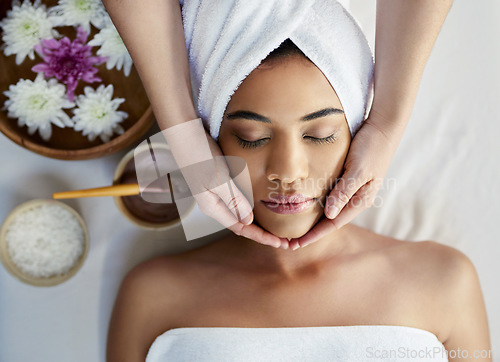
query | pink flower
(68,61)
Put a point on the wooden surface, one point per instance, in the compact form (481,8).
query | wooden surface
(66,143)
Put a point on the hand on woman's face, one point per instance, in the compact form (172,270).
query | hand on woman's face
(286,121)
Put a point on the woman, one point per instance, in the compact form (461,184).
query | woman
(404,29)
(287,122)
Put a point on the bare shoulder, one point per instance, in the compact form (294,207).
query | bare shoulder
(152,271)
(455,301)
(438,259)
(464,309)
(167,280)
(427,258)
(437,266)
(159,281)
(148,297)
(464,319)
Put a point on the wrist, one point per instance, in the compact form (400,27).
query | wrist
(391,126)
(173,114)
(392,118)
(180,139)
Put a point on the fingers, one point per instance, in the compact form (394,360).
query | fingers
(257,234)
(229,206)
(294,244)
(342,193)
(235,201)
(321,229)
(357,203)
(362,200)
(285,244)
(212,205)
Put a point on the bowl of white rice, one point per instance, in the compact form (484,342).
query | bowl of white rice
(43,242)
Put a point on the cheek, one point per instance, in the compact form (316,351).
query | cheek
(233,149)
(326,167)
(260,183)
(224,144)
(253,161)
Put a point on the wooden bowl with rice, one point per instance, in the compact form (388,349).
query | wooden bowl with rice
(43,242)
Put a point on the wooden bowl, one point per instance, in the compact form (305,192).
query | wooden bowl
(26,278)
(66,143)
(144,224)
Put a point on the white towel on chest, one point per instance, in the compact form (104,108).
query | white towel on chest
(302,344)
(227,39)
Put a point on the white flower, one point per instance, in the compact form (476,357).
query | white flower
(80,13)
(24,27)
(112,46)
(37,104)
(96,113)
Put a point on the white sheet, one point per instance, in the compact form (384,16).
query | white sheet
(445,172)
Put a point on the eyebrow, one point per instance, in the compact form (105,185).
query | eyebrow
(259,118)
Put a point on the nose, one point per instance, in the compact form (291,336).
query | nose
(287,161)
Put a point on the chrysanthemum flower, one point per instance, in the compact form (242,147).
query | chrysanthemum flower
(37,104)
(96,113)
(69,61)
(112,47)
(80,13)
(24,27)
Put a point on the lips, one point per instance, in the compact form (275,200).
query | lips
(289,204)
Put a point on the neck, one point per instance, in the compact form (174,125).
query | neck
(290,263)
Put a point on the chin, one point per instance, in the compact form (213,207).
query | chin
(288,226)
(289,234)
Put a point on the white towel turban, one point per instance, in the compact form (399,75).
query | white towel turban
(227,39)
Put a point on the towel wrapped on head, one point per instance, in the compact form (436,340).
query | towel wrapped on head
(227,39)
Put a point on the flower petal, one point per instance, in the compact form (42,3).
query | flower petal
(40,67)
(45,132)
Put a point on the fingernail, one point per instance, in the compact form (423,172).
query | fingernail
(296,247)
(332,211)
(284,245)
(247,220)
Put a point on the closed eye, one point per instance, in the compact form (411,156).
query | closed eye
(329,139)
(253,144)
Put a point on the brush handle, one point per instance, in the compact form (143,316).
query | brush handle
(115,190)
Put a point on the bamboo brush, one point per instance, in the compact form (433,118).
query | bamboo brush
(115,190)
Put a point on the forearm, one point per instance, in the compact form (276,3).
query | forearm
(406,31)
(153,33)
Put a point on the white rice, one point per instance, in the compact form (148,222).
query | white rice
(45,240)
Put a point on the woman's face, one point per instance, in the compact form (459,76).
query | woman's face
(286,121)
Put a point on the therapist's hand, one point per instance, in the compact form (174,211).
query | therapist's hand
(196,153)
(367,161)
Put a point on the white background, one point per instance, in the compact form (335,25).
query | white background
(444,188)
